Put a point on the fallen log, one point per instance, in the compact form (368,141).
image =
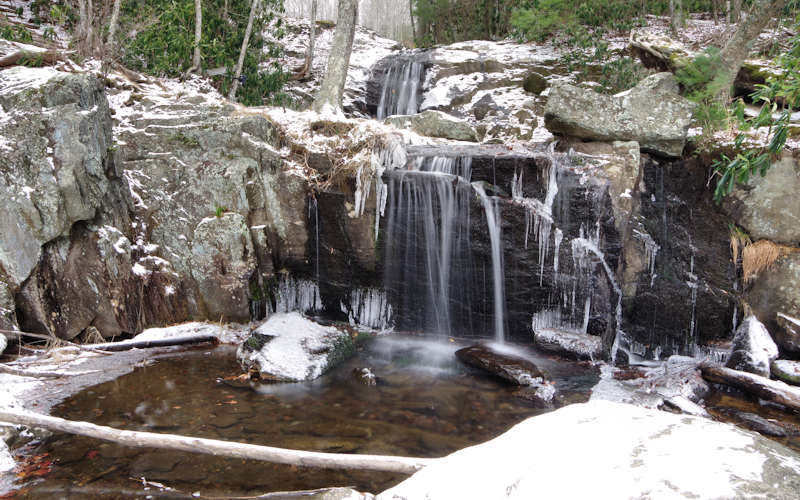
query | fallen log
(39,58)
(127,345)
(29,373)
(764,388)
(139,439)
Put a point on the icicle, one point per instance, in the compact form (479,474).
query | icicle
(559,236)
(369,308)
(297,295)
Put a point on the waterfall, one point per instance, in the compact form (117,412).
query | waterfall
(400,94)
(427,230)
(493,221)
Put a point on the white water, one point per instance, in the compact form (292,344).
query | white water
(493,221)
(401,89)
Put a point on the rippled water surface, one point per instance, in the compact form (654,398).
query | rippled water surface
(425,404)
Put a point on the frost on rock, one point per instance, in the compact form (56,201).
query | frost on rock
(621,451)
(572,344)
(292,348)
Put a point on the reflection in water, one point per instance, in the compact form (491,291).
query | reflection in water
(424,404)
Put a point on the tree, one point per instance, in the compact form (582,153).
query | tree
(245,42)
(332,88)
(112,30)
(198,25)
(309,62)
(732,56)
(675,15)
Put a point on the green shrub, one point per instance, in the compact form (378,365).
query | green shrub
(158,39)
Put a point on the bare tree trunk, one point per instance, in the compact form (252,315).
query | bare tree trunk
(402,465)
(738,47)
(112,30)
(81,31)
(312,37)
(198,32)
(715,12)
(245,43)
(763,388)
(332,88)
(413,23)
(727,11)
(89,28)
(737,11)
(673,26)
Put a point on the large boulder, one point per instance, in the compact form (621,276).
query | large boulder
(436,124)
(223,264)
(55,143)
(774,298)
(291,348)
(8,317)
(768,207)
(617,451)
(753,349)
(652,113)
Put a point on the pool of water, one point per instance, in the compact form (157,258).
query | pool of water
(425,404)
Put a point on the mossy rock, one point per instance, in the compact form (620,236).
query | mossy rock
(535,83)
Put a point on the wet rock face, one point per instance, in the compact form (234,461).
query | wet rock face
(688,299)
(768,207)
(652,113)
(753,349)
(775,299)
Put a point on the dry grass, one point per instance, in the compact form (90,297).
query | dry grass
(760,256)
(739,240)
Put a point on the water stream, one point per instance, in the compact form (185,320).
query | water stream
(425,404)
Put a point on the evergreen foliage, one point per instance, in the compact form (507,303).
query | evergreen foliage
(158,39)
(779,98)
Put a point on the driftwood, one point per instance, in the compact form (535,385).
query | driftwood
(48,57)
(17,335)
(766,389)
(403,465)
(29,373)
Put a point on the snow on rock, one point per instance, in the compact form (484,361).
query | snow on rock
(292,348)
(619,451)
(753,348)
(570,344)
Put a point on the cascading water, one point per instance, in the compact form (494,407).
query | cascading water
(493,221)
(427,231)
(400,93)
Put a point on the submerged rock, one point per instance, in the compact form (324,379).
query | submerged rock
(753,349)
(760,424)
(786,370)
(436,124)
(652,113)
(623,451)
(536,386)
(568,344)
(292,348)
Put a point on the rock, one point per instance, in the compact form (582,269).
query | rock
(753,349)
(683,405)
(535,83)
(365,376)
(652,113)
(8,317)
(291,348)
(572,345)
(786,370)
(507,367)
(760,424)
(436,124)
(536,386)
(223,263)
(774,297)
(58,171)
(629,452)
(484,106)
(768,207)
